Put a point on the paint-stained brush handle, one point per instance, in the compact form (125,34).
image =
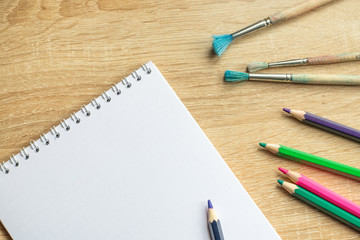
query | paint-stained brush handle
(344,57)
(221,42)
(327,59)
(331,79)
(297,10)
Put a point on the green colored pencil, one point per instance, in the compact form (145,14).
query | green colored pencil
(321,204)
(313,160)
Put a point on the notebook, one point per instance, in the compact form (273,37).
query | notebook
(132,164)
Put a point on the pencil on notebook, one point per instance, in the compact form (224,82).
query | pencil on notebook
(338,58)
(312,160)
(321,204)
(221,42)
(322,191)
(325,124)
(214,224)
(321,79)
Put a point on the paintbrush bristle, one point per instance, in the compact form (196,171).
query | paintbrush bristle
(233,76)
(256,66)
(221,42)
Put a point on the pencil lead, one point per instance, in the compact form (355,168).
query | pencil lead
(221,42)
(233,76)
(280,181)
(210,204)
(286,110)
(256,66)
(283,170)
(262,144)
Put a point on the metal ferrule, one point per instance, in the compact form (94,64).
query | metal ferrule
(288,63)
(270,77)
(256,26)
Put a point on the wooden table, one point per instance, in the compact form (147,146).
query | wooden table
(57,55)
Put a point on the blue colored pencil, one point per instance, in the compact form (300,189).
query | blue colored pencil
(214,224)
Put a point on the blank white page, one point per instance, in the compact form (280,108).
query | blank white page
(137,168)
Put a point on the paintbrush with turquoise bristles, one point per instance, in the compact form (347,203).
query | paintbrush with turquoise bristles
(221,42)
(344,57)
(330,79)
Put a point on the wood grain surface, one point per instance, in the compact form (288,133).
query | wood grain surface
(56,55)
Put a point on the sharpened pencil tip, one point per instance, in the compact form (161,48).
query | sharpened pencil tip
(262,144)
(283,170)
(210,204)
(280,181)
(286,110)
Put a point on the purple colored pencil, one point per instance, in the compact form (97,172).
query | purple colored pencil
(325,124)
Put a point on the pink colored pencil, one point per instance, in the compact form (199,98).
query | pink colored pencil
(322,192)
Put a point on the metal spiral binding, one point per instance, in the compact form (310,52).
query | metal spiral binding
(44,139)
(126,83)
(64,124)
(106,97)
(3,168)
(13,161)
(75,118)
(85,111)
(24,154)
(95,104)
(146,69)
(54,132)
(34,146)
(136,76)
(116,89)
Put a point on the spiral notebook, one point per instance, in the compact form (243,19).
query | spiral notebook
(132,164)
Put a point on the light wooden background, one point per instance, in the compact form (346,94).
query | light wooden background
(57,55)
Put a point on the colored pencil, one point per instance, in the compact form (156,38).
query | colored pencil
(321,204)
(214,224)
(338,58)
(312,160)
(221,42)
(325,124)
(322,191)
(321,79)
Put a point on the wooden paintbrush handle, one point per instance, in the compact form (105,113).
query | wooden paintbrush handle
(297,10)
(344,57)
(331,79)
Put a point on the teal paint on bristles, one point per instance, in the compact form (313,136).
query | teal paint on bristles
(233,76)
(221,42)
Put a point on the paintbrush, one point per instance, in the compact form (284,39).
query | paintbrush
(331,79)
(221,42)
(344,57)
